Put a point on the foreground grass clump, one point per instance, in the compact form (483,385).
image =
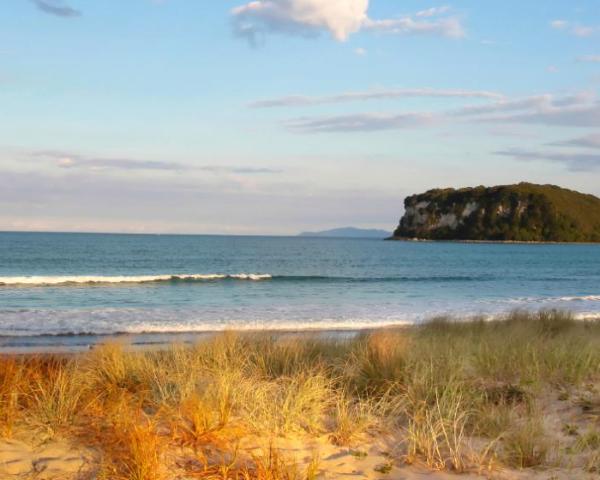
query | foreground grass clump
(453,395)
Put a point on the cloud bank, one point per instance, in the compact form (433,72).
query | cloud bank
(79,201)
(572,110)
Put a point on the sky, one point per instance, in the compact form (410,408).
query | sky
(279,116)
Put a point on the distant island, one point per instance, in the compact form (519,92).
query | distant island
(524,212)
(348,232)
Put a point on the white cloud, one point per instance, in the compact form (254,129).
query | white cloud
(530,109)
(559,24)
(362,122)
(583,31)
(574,29)
(589,58)
(575,110)
(446,27)
(387,94)
(73,160)
(361,52)
(506,105)
(432,12)
(584,115)
(339,18)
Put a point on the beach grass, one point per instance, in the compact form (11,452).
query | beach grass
(452,395)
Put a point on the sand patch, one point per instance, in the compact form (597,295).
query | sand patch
(370,459)
(51,461)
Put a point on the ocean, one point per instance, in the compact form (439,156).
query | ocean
(59,285)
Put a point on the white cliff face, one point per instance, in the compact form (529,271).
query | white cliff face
(420,217)
(418,213)
(446,220)
(470,208)
(429,216)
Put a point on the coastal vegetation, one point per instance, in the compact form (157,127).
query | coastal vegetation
(520,392)
(524,212)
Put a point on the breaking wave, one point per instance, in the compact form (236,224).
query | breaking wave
(541,300)
(82,279)
(197,277)
(584,298)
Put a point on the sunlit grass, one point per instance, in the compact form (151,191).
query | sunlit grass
(456,395)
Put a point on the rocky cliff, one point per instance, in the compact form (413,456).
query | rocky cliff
(523,212)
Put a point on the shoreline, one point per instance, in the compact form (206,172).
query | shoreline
(70,343)
(495,242)
(161,340)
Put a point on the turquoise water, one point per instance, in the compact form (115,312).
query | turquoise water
(103,284)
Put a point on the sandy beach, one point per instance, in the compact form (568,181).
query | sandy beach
(516,398)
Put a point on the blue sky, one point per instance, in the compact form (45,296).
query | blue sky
(278,116)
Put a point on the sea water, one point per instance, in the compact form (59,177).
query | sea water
(96,284)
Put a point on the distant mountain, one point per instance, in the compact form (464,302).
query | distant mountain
(348,232)
(524,212)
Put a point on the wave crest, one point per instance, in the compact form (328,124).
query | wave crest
(198,277)
(93,279)
(584,298)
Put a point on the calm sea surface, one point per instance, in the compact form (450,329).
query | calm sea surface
(102,284)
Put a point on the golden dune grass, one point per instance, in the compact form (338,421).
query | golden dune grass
(457,396)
